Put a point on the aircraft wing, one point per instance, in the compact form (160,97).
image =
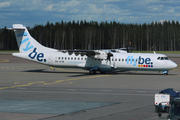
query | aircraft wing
(98,54)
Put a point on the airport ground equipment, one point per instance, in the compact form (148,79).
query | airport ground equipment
(174,113)
(164,97)
(163,106)
(161,101)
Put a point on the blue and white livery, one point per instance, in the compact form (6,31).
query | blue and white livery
(92,60)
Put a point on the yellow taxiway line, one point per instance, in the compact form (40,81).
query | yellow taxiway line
(55,82)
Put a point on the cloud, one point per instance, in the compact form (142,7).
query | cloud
(62,10)
(74,10)
(5,4)
(49,8)
(126,11)
(72,3)
(178,14)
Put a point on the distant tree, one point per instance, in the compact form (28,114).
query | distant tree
(104,35)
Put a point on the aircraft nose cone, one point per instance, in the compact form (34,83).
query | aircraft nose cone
(173,65)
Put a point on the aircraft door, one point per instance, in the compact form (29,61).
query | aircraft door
(50,60)
(112,61)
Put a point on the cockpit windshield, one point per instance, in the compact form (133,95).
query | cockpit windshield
(166,58)
(162,58)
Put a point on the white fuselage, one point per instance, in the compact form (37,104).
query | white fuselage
(99,60)
(120,61)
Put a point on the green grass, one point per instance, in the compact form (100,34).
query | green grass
(9,50)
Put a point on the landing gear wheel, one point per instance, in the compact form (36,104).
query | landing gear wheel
(102,72)
(165,73)
(92,72)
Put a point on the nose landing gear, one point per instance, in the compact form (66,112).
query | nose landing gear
(165,72)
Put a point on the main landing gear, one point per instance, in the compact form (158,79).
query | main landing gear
(95,69)
(94,72)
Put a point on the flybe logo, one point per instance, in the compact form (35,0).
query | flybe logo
(38,56)
(28,46)
(142,62)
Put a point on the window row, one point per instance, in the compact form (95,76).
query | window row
(77,58)
(71,58)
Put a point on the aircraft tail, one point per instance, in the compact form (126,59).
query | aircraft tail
(25,42)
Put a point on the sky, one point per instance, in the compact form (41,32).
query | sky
(38,12)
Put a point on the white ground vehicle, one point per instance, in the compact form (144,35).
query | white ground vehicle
(168,101)
(164,99)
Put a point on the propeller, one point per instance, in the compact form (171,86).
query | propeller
(109,55)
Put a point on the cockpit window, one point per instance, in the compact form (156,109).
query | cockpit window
(166,58)
(162,58)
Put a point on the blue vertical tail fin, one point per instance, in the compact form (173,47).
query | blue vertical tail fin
(25,42)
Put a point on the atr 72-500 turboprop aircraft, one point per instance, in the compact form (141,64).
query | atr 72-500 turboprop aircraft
(92,60)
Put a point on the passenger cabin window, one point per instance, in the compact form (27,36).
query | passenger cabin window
(119,59)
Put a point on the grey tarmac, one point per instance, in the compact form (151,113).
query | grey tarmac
(31,91)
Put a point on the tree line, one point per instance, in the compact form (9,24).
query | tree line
(158,36)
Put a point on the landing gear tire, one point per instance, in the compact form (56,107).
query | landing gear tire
(165,74)
(92,72)
(102,72)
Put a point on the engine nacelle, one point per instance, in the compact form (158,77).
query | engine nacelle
(100,55)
